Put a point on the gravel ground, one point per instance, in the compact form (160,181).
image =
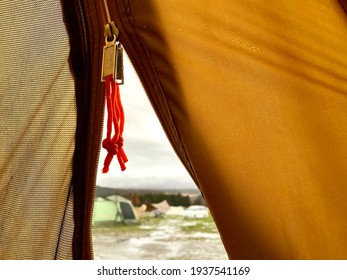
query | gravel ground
(168,238)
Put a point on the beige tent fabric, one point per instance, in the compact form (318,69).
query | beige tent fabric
(253,96)
(38,122)
(162,206)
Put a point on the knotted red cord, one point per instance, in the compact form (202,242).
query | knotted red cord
(115,118)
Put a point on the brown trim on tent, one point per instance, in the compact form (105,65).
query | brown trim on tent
(135,46)
(343,3)
(84,22)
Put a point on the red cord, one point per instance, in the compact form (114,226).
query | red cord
(115,119)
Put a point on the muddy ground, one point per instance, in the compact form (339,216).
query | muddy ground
(167,238)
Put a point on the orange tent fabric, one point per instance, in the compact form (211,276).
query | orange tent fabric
(253,97)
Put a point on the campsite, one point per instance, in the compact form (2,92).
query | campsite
(166,238)
(112,206)
(152,230)
(251,95)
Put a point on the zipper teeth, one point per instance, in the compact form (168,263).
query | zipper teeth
(107,11)
(90,218)
(83,24)
(171,142)
(94,185)
(100,132)
(152,106)
(92,191)
(183,157)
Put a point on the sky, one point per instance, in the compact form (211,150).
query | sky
(152,161)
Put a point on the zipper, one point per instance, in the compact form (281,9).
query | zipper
(110,32)
(112,74)
(132,38)
(83,183)
(88,197)
(112,59)
(107,11)
(152,106)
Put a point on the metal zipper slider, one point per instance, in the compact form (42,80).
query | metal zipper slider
(109,59)
(112,58)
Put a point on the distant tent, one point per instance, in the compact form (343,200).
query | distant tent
(175,211)
(140,210)
(162,207)
(113,209)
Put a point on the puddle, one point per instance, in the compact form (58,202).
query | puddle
(165,240)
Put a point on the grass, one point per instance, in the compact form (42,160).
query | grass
(147,223)
(149,220)
(168,237)
(118,227)
(205,225)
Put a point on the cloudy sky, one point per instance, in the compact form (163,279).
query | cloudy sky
(152,161)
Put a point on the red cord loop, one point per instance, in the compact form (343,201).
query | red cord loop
(115,120)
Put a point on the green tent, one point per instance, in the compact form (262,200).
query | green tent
(113,209)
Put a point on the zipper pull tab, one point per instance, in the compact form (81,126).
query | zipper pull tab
(112,58)
(112,74)
(109,59)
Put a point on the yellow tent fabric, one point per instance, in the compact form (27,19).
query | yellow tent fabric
(253,97)
(255,92)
